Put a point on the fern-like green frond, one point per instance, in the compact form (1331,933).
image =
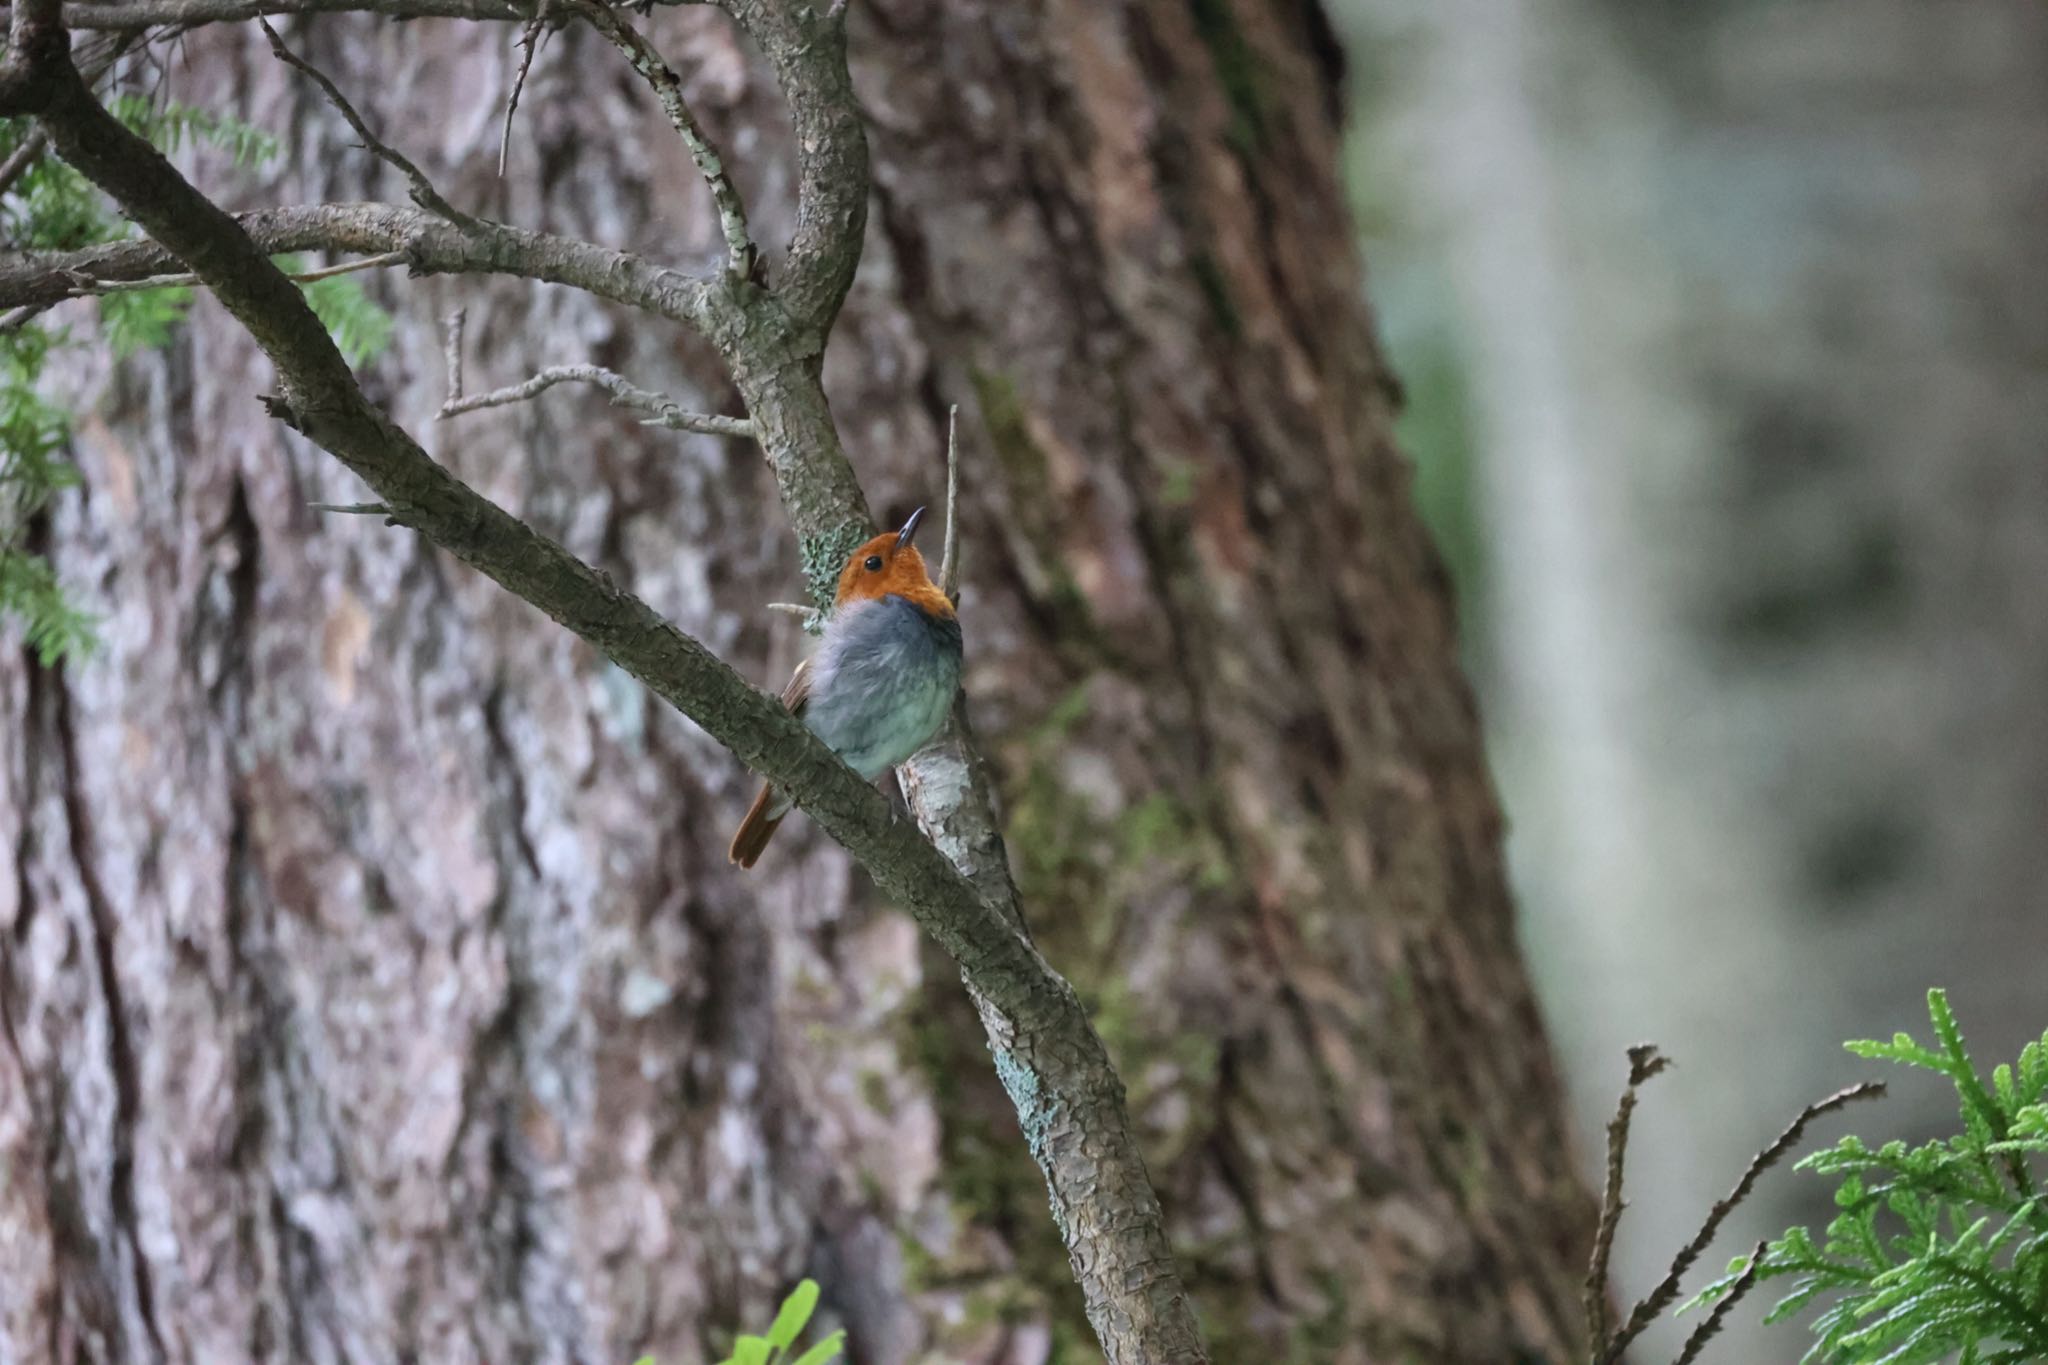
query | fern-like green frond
(1939,1252)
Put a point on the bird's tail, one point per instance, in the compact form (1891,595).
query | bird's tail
(758,828)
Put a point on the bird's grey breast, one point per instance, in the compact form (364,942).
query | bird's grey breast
(882,681)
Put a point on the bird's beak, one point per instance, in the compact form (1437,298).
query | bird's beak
(903,537)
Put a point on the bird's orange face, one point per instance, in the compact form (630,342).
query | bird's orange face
(890,564)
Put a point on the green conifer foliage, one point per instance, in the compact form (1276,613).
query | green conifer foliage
(1940,1251)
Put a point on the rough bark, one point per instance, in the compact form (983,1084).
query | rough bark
(1757,418)
(385,931)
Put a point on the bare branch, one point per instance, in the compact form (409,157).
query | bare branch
(1707,1330)
(1644,1062)
(452,352)
(21,158)
(529,39)
(810,618)
(1050,1058)
(662,410)
(321,399)
(185,14)
(91,66)
(430,245)
(949,561)
(668,88)
(423,192)
(354,509)
(86,287)
(36,46)
(1660,1298)
(958,886)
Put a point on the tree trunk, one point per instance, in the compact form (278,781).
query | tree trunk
(1750,298)
(374,984)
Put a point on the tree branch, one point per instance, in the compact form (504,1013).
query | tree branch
(661,410)
(949,560)
(529,43)
(321,399)
(452,353)
(1657,1300)
(1068,1097)
(1644,1062)
(1707,1330)
(86,287)
(807,49)
(21,158)
(98,59)
(423,192)
(196,13)
(430,245)
(668,88)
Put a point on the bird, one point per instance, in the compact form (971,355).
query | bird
(883,678)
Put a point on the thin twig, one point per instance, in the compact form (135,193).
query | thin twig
(949,559)
(529,39)
(21,158)
(1706,1331)
(810,618)
(92,64)
(662,411)
(184,15)
(431,245)
(668,88)
(16,318)
(423,192)
(453,352)
(354,509)
(1660,1298)
(1644,1062)
(85,286)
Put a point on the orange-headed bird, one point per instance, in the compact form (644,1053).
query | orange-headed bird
(883,678)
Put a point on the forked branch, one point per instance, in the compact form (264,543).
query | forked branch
(423,192)
(668,88)
(1666,1292)
(659,409)
(1645,1062)
(529,44)
(807,48)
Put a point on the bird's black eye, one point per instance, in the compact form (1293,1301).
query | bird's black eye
(874,564)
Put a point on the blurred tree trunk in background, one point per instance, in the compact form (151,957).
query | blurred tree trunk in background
(1751,302)
(375,986)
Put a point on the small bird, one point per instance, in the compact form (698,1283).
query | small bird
(883,678)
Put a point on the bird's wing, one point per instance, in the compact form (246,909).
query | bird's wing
(799,689)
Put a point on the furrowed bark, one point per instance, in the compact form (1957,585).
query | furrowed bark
(1068,1097)
(1212,670)
(1052,1063)
(321,400)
